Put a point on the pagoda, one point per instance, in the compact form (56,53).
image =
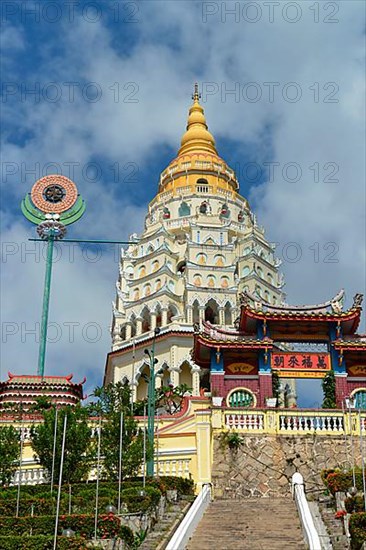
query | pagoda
(200,249)
(23,390)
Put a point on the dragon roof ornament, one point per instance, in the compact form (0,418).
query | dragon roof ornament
(335,305)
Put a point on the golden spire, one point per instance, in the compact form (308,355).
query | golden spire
(197,137)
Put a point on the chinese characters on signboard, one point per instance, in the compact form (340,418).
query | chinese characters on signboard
(301,365)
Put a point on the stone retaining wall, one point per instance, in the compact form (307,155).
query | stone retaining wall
(263,465)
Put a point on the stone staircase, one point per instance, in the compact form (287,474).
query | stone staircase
(160,535)
(249,524)
(334,527)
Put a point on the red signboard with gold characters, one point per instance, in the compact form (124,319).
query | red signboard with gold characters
(301,365)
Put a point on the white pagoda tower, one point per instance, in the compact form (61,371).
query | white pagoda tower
(201,247)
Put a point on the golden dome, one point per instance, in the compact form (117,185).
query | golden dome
(197,137)
(197,158)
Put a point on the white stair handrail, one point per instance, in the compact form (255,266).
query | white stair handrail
(306,518)
(191,520)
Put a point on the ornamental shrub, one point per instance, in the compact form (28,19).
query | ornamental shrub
(140,500)
(83,525)
(357,528)
(42,542)
(341,481)
(86,490)
(354,504)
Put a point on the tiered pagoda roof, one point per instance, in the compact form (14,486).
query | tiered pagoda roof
(24,389)
(306,320)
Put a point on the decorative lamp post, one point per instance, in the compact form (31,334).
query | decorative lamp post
(52,204)
(68,533)
(151,405)
(110,509)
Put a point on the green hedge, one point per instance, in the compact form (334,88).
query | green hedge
(47,507)
(357,528)
(41,542)
(183,485)
(83,525)
(106,488)
(138,499)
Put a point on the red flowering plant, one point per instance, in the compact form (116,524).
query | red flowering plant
(108,526)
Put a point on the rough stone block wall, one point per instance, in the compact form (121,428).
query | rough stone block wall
(264,465)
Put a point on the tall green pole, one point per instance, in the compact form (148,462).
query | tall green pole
(52,204)
(46,304)
(151,411)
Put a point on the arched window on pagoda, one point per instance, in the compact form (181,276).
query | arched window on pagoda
(165,375)
(201,258)
(181,267)
(129,272)
(241,398)
(158,316)
(224,282)
(123,332)
(142,383)
(195,312)
(172,312)
(212,312)
(184,209)
(185,375)
(219,260)
(211,281)
(197,279)
(133,325)
(158,285)
(146,320)
(359,397)
(227,314)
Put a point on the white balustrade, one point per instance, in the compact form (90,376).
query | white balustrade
(245,421)
(311,423)
(30,476)
(294,423)
(363,424)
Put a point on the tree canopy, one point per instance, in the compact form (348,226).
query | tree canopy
(79,445)
(114,400)
(9,453)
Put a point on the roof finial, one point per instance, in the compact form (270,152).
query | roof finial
(196,96)
(197,137)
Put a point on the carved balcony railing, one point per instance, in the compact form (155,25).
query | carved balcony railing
(247,421)
(297,422)
(309,422)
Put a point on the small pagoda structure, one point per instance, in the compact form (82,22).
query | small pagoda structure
(294,341)
(24,390)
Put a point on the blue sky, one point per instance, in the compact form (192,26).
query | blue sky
(113,83)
